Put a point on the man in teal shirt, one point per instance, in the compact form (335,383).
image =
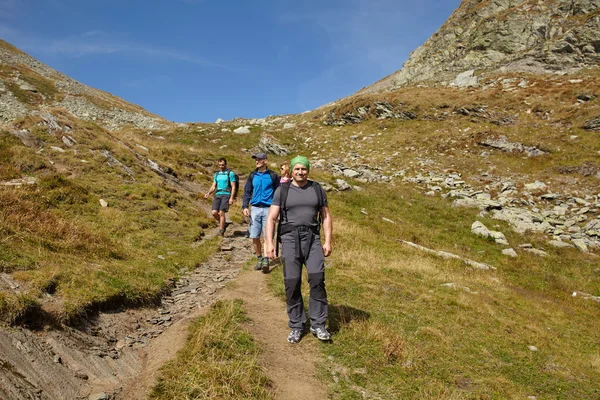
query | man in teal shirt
(224,184)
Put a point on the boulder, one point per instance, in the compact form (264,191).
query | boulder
(342,185)
(466,79)
(242,130)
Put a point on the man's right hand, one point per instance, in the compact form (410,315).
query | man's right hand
(269,250)
(246,212)
(206,195)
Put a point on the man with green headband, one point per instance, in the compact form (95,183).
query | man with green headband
(303,206)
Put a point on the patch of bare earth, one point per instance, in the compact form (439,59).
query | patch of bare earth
(291,368)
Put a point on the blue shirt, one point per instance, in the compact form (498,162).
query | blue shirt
(259,190)
(262,195)
(223,184)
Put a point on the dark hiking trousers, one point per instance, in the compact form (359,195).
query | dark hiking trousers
(310,253)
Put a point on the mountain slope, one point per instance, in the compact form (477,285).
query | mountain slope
(27,85)
(549,36)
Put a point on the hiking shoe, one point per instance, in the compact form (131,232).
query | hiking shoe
(221,232)
(265,265)
(321,333)
(295,336)
(259,264)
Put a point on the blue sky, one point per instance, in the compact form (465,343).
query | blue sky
(199,60)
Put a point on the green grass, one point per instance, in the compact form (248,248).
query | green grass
(220,360)
(400,334)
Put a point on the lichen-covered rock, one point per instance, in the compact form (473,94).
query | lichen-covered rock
(539,36)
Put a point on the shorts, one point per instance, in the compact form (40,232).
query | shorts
(221,202)
(258,221)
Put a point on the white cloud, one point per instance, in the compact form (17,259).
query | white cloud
(96,42)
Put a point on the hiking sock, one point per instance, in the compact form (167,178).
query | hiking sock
(259,263)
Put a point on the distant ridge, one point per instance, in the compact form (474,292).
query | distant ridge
(538,36)
(27,85)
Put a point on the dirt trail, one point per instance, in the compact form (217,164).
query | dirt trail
(118,354)
(291,368)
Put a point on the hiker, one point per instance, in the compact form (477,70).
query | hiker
(285,173)
(225,183)
(258,192)
(300,203)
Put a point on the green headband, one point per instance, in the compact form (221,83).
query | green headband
(300,160)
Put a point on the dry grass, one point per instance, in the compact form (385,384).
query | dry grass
(413,336)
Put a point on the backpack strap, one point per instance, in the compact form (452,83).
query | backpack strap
(228,171)
(283,194)
(319,191)
(274,178)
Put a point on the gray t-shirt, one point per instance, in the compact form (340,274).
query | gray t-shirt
(302,204)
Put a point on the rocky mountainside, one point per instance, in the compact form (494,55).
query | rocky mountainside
(27,86)
(102,207)
(537,36)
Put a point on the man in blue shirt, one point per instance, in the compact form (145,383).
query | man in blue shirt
(224,183)
(258,192)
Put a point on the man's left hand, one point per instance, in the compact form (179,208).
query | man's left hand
(327,249)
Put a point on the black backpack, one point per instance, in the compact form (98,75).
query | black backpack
(272,174)
(283,195)
(229,183)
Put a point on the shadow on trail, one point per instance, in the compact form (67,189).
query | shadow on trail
(340,315)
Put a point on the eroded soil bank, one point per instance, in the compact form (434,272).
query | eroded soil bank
(117,355)
(110,350)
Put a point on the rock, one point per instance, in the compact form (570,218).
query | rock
(326,186)
(559,243)
(550,196)
(535,186)
(495,36)
(57,359)
(219,121)
(60,150)
(586,296)
(289,126)
(269,145)
(387,220)
(522,220)
(466,79)
(537,252)
(350,173)
(68,141)
(342,185)
(502,143)
(446,255)
(242,130)
(480,229)
(510,252)
(103,203)
(532,348)
(154,166)
(580,244)
(593,125)
(113,162)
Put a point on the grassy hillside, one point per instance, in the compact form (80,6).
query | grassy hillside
(65,251)
(95,219)
(408,325)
